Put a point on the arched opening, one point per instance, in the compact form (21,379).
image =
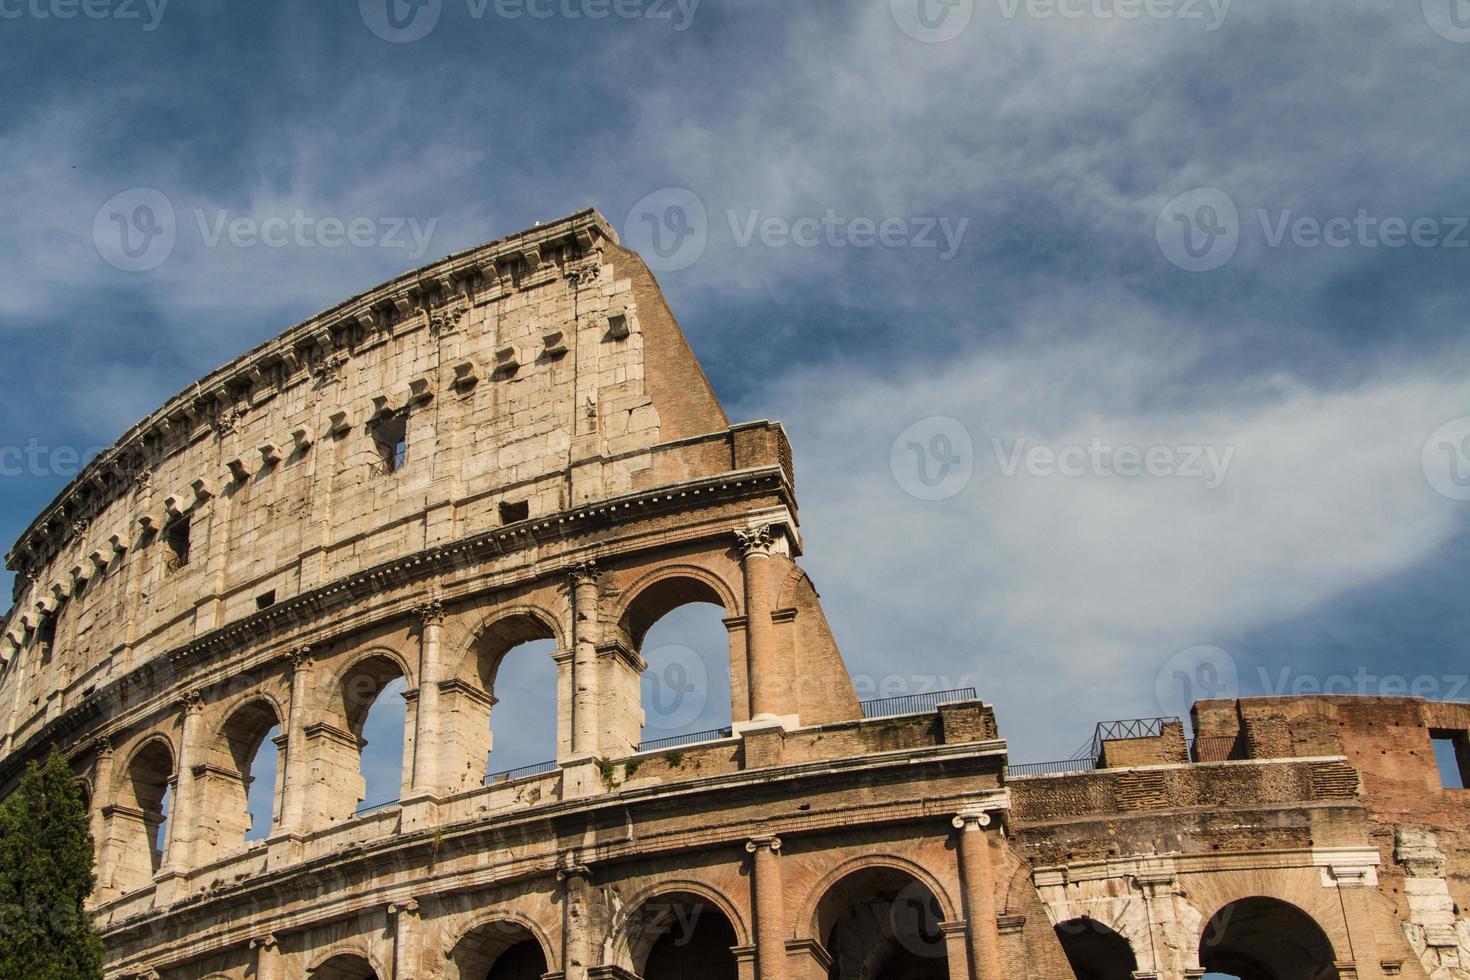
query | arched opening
(506,718)
(677,626)
(682,936)
(1266,939)
(246,784)
(376,716)
(882,924)
(343,966)
(140,818)
(499,950)
(1095,951)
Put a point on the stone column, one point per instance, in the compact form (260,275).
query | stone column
(267,957)
(427,743)
(297,766)
(405,916)
(184,820)
(763,675)
(1158,889)
(576,920)
(978,880)
(770,914)
(582,583)
(101,797)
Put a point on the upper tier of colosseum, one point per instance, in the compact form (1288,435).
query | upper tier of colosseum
(499,388)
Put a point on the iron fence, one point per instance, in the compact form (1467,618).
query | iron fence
(915,703)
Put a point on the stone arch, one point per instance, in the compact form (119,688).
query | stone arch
(138,826)
(677,913)
(235,749)
(473,956)
(664,677)
(806,917)
(1096,951)
(474,660)
(346,962)
(1264,938)
(879,919)
(665,588)
(355,691)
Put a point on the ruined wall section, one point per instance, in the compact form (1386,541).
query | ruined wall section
(526,376)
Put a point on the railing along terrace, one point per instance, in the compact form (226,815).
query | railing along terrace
(511,775)
(693,738)
(1060,767)
(364,810)
(915,703)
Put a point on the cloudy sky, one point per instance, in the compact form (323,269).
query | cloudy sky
(1122,345)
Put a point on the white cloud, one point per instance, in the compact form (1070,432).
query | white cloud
(1060,597)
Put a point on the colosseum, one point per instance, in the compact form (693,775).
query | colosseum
(516,443)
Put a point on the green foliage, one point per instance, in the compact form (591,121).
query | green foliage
(45,875)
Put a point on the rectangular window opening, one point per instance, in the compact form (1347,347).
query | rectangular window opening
(176,536)
(391,436)
(510,513)
(265,600)
(1452,753)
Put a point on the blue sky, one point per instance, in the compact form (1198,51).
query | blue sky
(1164,233)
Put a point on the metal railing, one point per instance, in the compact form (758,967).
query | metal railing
(363,811)
(693,738)
(914,703)
(511,775)
(1060,767)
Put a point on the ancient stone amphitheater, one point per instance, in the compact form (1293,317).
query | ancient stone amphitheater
(517,443)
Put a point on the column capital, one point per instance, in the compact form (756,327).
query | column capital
(763,539)
(430,612)
(103,743)
(267,941)
(300,657)
(408,906)
(191,701)
(569,871)
(771,843)
(968,820)
(584,572)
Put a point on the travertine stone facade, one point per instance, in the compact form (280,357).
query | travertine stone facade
(516,444)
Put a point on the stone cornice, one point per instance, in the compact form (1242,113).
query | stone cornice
(318,603)
(189,411)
